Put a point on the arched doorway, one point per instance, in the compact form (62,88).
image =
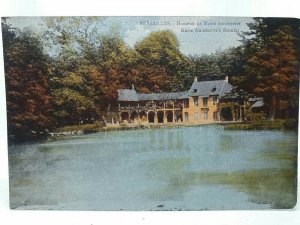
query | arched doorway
(178,116)
(143,116)
(151,116)
(186,117)
(226,114)
(169,116)
(124,116)
(160,116)
(134,117)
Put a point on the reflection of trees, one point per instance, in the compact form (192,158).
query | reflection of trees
(277,187)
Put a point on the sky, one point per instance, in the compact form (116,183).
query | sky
(196,35)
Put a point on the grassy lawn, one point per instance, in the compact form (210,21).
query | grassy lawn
(279,124)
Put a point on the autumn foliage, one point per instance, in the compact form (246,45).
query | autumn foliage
(70,73)
(29,110)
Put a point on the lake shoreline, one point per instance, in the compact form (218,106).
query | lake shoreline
(85,129)
(119,127)
(228,125)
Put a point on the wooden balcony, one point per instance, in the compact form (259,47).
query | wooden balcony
(146,108)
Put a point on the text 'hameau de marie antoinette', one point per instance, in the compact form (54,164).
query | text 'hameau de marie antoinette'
(197,26)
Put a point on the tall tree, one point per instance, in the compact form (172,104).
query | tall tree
(231,63)
(206,67)
(272,66)
(27,84)
(216,66)
(73,41)
(103,62)
(160,51)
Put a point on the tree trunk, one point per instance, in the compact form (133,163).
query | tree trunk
(272,111)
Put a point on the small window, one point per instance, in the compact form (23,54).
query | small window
(214,89)
(196,116)
(195,90)
(204,101)
(186,117)
(215,115)
(205,115)
(195,101)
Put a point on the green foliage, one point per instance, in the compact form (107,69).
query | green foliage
(206,67)
(289,124)
(229,110)
(274,186)
(72,80)
(229,62)
(27,87)
(86,128)
(254,116)
(77,82)
(161,54)
(272,66)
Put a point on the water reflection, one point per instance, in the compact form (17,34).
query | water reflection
(190,168)
(155,140)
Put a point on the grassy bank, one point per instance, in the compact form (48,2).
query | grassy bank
(250,125)
(85,128)
(288,124)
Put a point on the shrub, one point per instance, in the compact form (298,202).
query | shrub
(254,116)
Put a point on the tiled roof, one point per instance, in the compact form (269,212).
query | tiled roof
(127,95)
(255,99)
(162,96)
(207,88)
(258,104)
(131,95)
(199,88)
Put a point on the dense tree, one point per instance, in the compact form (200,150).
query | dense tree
(216,66)
(160,52)
(76,81)
(27,90)
(272,66)
(115,63)
(73,40)
(70,101)
(206,67)
(104,62)
(231,63)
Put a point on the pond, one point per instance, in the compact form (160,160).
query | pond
(187,168)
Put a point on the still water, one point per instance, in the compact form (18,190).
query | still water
(188,168)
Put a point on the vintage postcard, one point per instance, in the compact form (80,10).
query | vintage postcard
(152,113)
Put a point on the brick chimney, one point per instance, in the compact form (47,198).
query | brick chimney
(132,87)
(195,79)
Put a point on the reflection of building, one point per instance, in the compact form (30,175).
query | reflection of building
(200,104)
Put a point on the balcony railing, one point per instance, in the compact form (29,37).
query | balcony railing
(146,108)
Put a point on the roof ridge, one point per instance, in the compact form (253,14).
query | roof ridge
(199,81)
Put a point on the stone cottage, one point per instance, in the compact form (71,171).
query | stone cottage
(200,104)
